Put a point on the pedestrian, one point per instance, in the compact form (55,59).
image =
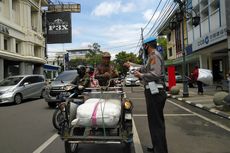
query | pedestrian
(105,71)
(195,73)
(155,95)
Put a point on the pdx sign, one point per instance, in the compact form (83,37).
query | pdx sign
(59,28)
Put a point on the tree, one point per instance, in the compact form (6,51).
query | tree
(94,56)
(123,57)
(162,41)
(75,62)
(95,47)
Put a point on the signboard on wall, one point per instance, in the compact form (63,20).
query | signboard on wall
(59,28)
(211,38)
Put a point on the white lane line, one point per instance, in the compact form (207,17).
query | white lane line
(136,140)
(166,115)
(201,116)
(135,98)
(46,143)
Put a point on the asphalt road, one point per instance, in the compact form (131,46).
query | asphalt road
(27,128)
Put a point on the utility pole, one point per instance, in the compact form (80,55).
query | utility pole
(142,44)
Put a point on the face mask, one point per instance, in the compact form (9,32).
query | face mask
(146,50)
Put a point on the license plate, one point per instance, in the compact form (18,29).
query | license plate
(128,116)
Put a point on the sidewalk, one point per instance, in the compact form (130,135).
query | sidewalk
(204,101)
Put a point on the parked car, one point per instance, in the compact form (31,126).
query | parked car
(20,87)
(178,77)
(131,80)
(56,87)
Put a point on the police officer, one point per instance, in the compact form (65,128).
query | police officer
(155,95)
(105,70)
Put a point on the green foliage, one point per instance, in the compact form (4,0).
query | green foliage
(123,57)
(162,41)
(75,62)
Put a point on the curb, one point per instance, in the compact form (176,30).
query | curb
(211,110)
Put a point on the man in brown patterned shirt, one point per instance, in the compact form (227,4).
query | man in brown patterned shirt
(105,71)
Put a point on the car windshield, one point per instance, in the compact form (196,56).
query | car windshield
(11,81)
(66,76)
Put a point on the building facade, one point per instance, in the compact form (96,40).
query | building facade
(22,44)
(78,53)
(206,45)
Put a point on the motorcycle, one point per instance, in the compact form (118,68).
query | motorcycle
(97,127)
(72,96)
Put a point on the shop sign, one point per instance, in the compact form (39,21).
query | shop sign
(4,29)
(59,28)
(210,39)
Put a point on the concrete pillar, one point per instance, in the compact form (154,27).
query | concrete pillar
(22,68)
(12,46)
(209,62)
(26,68)
(1,41)
(10,10)
(29,68)
(2,69)
(203,61)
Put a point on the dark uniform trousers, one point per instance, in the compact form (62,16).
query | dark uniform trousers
(155,104)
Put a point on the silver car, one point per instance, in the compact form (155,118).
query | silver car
(53,91)
(20,87)
(131,80)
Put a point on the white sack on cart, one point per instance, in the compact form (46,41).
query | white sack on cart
(205,76)
(89,114)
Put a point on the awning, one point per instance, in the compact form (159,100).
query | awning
(179,60)
(51,67)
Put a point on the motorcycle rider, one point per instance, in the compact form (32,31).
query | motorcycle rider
(82,78)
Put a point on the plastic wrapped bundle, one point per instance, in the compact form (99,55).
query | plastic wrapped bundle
(97,112)
(205,76)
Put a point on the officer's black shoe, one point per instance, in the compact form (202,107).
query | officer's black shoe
(150,149)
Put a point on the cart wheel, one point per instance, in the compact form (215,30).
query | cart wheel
(71,147)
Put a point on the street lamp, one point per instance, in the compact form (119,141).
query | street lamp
(181,16)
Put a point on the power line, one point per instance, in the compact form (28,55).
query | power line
(160,15)
(163,17)
(168,16)
(152,15)
(131,44)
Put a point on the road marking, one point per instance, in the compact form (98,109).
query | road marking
(136,139)
(136,98)
(201,116)
(167,115)
(46,143)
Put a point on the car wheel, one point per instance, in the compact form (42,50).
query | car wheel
(43,94)
(17,98)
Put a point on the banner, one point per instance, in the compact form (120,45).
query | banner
(59,28)
(171,77)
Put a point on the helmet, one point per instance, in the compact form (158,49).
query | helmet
(81,70)
(150,39)
(90,69)
(106,54)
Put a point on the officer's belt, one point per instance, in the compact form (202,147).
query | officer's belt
(159,86)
